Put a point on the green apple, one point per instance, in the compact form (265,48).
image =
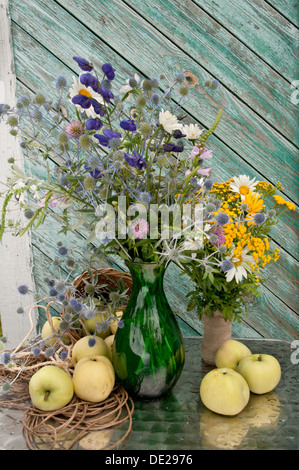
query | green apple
(109,341)
(82,349)
(93,378)
(224,391)
(93,325)
(230,354)
(47,331)
(51,388)
(262,372)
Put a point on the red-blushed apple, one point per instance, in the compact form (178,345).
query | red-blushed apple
(51,388)
(262,372)
(224,391)
(82,348)
(93,378)
(230,354)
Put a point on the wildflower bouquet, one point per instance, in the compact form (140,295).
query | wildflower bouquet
(111,160)
(234,247)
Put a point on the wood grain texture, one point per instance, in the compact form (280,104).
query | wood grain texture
(257,135)
(15,253)
(263,29)
(217,50)
(264,148)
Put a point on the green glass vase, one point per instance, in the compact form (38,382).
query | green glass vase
(148,352)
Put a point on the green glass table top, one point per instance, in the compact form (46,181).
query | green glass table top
(181,421)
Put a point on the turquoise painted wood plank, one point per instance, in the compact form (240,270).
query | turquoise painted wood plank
(226,162)
(266,32)
(288,8)
(226,58)
(259,142)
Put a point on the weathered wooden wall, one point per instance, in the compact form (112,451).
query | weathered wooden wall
(250,46)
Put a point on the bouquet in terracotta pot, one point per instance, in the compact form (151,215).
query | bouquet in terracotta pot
(229,252)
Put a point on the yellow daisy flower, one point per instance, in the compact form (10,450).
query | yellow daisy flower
(254,202)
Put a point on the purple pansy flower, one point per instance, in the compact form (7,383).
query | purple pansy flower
(93,124)
(106,136)
(95,172)
(108,71)
(88,79)
(128,125)
(86,102)
(169,147)
(135,160)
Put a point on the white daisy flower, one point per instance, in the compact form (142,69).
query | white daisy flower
(242,265)
(192,131)
(79,89)
(169,121)
(243,185)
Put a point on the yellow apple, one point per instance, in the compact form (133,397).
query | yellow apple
(109,341)
(230,354)
(93,378)
(93,325)
(262,372)
(114,322)
(224,391)
(47,331)
(82,349)
(51,388)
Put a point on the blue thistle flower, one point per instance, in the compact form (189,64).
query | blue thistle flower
(133,82)
(63,355)
(36,351)
(226,265)
(259,219)
(49,352)
(91,342)
(23,289)
(61,82)
(62,250)
(222,218)
(155,98)
(5,358)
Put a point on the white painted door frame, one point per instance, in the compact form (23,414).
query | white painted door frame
(16,267)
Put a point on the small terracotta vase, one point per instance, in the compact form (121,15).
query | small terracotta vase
(216,330)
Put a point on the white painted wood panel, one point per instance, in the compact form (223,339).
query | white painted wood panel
(15,252)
